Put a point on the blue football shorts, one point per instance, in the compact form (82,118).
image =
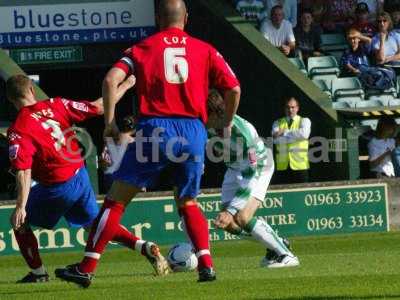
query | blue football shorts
(73,199)
(162,142)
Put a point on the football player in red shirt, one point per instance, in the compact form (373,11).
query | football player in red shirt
(173,74)
(43,146)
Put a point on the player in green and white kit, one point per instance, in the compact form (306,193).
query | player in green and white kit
(250,167)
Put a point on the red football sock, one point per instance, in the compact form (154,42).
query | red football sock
(127,238)
(103,230)
(197,229)
(28,246)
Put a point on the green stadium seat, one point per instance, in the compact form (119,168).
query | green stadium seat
(369,104)
(327,78)
(331,42)
(322,65)
(351,101)
(394,102)
(372,123)
(340,105)
(384,99)
(347,87)
(389,92)
(299,63)
(324,86)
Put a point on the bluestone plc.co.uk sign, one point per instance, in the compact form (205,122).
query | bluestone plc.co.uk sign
(65,22)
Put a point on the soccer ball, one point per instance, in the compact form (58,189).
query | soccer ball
(181,258)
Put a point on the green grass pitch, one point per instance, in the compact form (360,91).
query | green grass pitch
(361,266)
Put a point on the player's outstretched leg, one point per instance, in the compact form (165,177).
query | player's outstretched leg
(28,246)
(196,227)
(107,228)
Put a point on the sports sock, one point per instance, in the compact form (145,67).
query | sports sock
(103,230)
(263,233)
(197,229)
(128,239)
(29,248)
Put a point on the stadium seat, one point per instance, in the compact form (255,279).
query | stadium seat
(394,102)
(333,42)
(324,85)
(298,62)
(351,101)
(323,65)
(372,123)
(391,92)
(347,87)
(384,99)
(340,105)
(369,104)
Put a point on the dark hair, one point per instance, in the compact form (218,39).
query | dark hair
(384,123)
(275,8)
(128,123)
(17,86)
(290,98)
(387,16)
(215,103)
(307,11)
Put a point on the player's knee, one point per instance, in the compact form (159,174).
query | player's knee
(186,201)
(241,219)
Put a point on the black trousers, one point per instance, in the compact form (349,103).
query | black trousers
(290,176)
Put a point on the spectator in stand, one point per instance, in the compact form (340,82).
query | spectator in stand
(362,20)
(308,36)
(380,149)
(339,15)
(386,43)
(389,4)
(355,58)
(251,10)
(279,32)
(289,9)
(318,8)
(396,18)
(374,6)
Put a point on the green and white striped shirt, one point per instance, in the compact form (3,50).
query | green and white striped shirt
(244,151)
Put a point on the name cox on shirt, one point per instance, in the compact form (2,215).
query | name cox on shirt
(175,40)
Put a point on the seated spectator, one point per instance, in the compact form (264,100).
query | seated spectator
(395,14)
(289,9)
(251,10)
(339,15)
(374,6)
(386,43)
(355,57)
(318,8)
(279,32)
(380,149)
(308,36)
(361,22)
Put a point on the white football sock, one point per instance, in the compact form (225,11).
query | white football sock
(39,271)
(263,233)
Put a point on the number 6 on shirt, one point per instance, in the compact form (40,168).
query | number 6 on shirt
(175,65)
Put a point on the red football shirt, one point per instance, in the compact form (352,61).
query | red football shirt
(41,139)
(174,72)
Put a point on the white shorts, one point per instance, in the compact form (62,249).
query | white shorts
(237,190)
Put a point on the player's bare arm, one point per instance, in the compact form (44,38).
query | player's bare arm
(111,83)
(231,99)
(23,179)
(121,90)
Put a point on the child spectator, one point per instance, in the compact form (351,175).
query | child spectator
(308,36)
(355,58)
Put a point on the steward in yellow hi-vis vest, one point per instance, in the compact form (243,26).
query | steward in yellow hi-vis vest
(294,154)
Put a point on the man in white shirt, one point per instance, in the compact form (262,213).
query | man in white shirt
(290,135)
(279,32)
